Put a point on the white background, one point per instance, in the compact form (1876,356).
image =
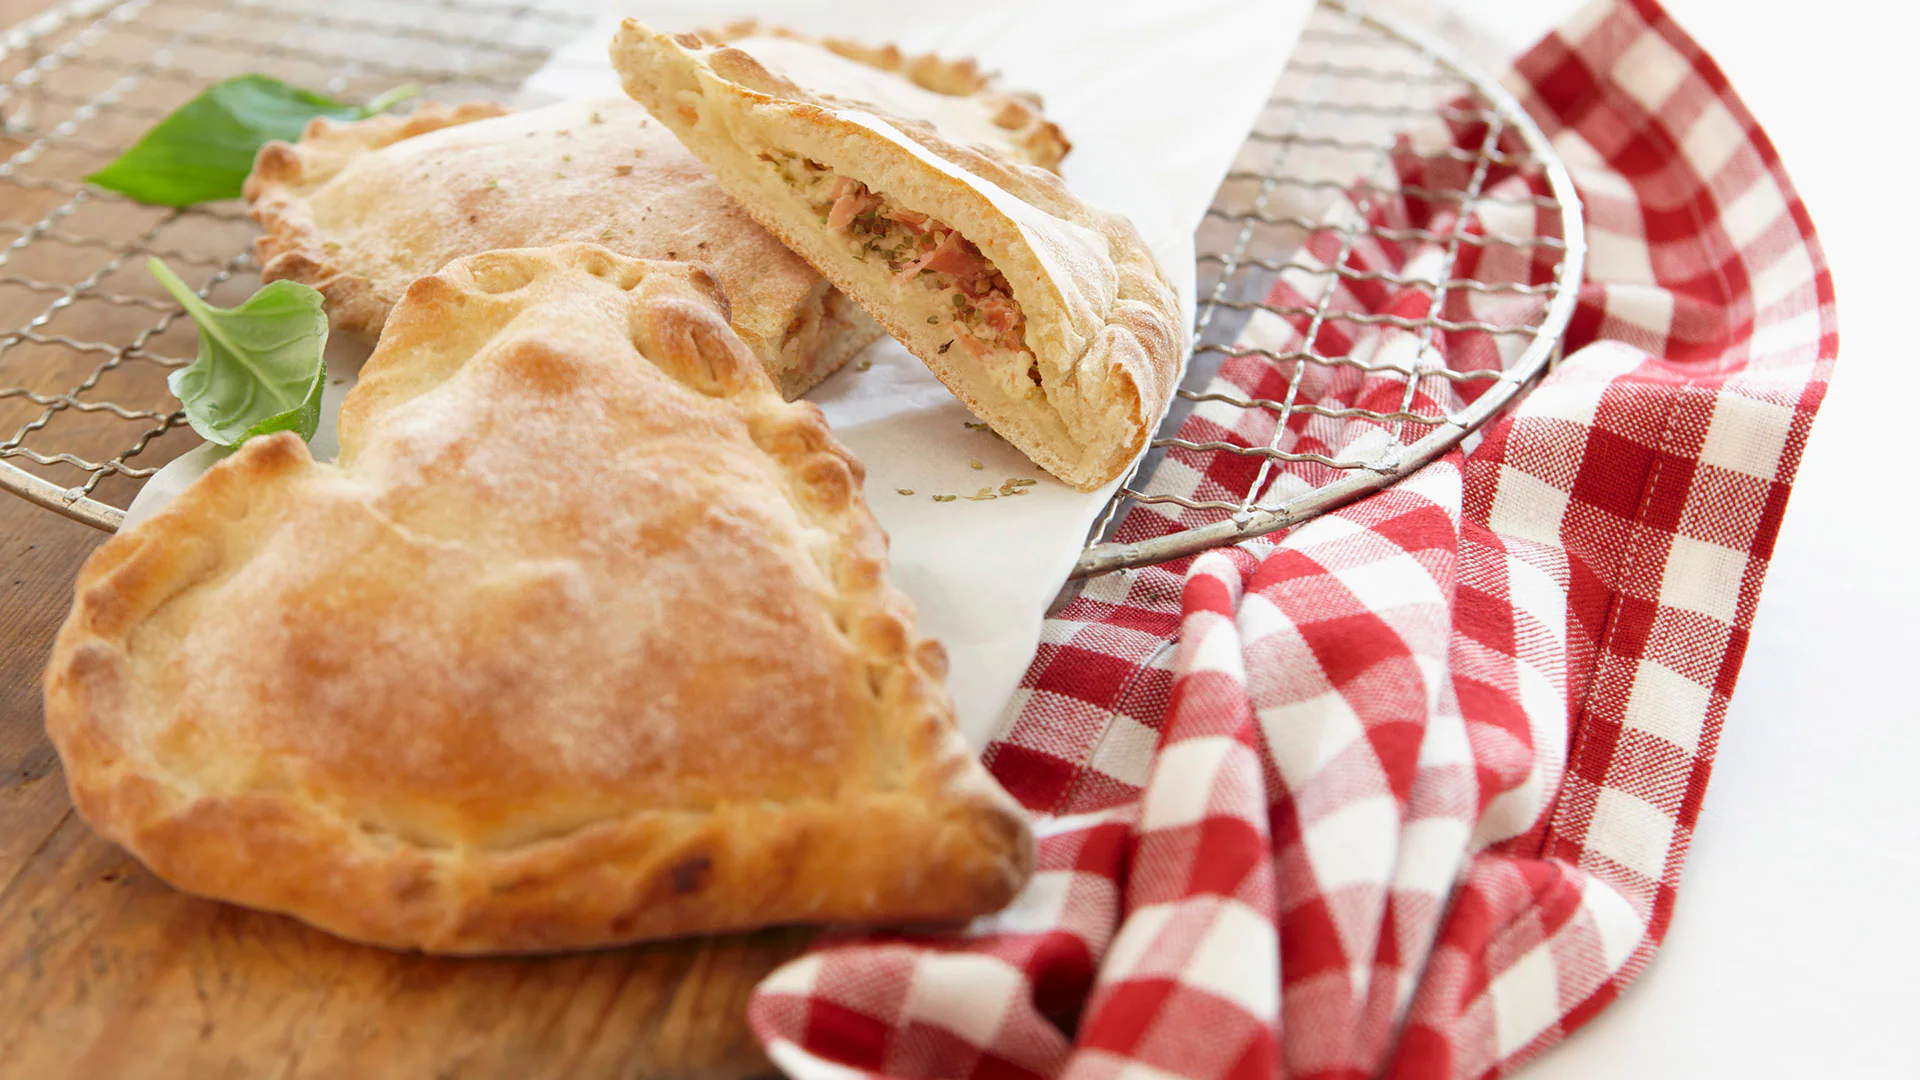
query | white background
(1795,948)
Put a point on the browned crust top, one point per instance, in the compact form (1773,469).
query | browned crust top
(292,246)
(419,783)
(359,210)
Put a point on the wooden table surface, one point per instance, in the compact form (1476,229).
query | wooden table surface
(106,972)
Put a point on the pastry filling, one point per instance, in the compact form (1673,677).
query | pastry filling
(969,297)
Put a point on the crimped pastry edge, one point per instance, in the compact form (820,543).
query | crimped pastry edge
(290,246)
(640,875)
(1018,112)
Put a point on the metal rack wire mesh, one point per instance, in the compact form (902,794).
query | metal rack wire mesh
(87,338)
(1330,175)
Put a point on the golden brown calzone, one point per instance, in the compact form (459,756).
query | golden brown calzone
(359,210)
(586,639)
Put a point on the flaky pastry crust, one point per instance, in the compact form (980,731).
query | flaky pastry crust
(293,247)
(1101,320)
(587,639)
(360,209)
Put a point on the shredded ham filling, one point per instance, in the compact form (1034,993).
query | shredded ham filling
(976,300)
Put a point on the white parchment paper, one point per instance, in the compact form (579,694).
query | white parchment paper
(1156,98)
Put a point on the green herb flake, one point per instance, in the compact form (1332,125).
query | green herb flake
(974,425)
(945,498)
(933,320)
(904,491)
(975,465)
(203,151)
(863,365)
(261,366)
(492,182)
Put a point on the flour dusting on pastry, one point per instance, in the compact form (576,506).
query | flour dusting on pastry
(446,695)
(360,209)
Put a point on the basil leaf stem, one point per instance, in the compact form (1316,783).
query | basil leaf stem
(262,365)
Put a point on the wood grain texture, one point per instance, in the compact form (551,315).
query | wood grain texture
(105,971)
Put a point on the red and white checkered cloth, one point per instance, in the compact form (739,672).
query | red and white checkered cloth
(1406,791)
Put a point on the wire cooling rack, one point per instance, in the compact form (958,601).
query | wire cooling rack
(87,338)
(1345,154)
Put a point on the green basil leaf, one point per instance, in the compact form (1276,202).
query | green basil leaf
(261,367)
(203,150)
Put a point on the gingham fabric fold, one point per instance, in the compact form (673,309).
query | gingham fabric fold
(1406,791)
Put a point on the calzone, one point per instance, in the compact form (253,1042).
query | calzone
(1048,318)
(586,639)
(360,209)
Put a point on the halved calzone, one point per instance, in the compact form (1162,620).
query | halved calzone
(1050,319)
(359,210)
(586,639)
